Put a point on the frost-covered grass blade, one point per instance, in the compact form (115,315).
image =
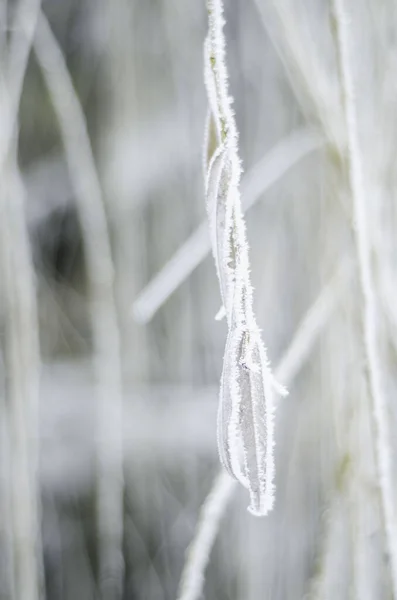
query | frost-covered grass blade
(246,403)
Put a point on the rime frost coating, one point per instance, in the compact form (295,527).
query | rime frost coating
(246,402)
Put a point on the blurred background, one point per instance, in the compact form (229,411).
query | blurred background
(110,354)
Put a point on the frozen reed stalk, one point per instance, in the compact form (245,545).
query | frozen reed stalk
(21,339)
(246,404)
(369,300)
(22,358)
(106,336)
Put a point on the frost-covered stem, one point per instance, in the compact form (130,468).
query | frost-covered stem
(21,340)
(246,405)
(369,309)
(227,135)
(106,336)
(292,361)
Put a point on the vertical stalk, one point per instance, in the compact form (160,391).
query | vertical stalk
(21,340)
(106,335)
(22,360)
(367,286)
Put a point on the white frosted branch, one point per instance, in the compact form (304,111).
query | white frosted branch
(292,361)
(106,337)
(369,309)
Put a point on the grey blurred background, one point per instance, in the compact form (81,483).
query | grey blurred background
(104,379)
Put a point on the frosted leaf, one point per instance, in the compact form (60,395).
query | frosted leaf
(211,86)
(246,402)
(245,418)
(216,203)
(256,422)
(230,453)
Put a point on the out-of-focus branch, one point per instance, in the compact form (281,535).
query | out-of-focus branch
(15,65)
(22,359)
(21,340)
(313,322)
(211,513)
(369,310)
(90,206)
(304,69)
(24,26)
(256,181)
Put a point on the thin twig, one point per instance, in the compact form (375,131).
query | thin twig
(106,336)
